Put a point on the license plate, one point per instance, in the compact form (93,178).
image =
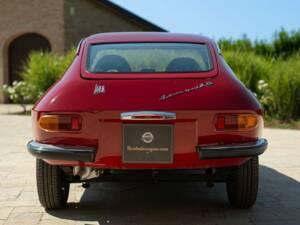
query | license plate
(147,143)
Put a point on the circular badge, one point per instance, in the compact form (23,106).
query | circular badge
(147,137)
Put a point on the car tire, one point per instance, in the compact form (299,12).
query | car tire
(52,186)
(242,184)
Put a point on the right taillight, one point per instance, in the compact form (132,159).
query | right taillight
(236,121)
(56,122)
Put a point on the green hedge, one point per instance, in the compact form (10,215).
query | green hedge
(276,83)
(285,87)
(44,69)
(249,67)
(283,44)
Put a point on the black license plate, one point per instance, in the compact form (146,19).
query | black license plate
(147,143)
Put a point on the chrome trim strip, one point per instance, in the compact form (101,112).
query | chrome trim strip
(162,115)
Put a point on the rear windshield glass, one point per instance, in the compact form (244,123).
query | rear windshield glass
(148,58)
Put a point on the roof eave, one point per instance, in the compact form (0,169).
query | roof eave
(131,15)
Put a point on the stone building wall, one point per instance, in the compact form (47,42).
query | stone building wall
(86,17)
(29,16)
(63,23)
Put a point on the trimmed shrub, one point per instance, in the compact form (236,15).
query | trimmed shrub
(20,92)
(43,69)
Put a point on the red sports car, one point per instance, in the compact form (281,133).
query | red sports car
(143,105)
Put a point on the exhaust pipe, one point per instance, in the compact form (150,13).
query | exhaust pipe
(86,173)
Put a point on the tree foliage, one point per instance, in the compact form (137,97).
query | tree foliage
(283,44)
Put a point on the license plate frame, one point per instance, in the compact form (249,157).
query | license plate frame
(138,147)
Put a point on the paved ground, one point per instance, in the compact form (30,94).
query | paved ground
(141,204)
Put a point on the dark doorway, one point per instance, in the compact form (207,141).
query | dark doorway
(19,50)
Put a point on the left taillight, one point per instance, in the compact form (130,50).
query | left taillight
(51,122)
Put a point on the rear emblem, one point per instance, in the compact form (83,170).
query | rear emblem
(187,90)
(99,89)
(147,137)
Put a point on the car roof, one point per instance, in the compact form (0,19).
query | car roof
(119,37)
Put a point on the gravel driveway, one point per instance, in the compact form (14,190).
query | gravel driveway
(145,203)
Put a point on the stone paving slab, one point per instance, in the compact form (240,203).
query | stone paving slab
(145,203)
(12,108)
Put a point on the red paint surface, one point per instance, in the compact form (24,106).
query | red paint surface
(196,111)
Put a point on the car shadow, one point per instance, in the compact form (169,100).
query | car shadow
(185,203)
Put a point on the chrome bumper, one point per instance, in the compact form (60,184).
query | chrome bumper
(67,153)
(233,150)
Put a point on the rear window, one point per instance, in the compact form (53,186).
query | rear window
(148,58)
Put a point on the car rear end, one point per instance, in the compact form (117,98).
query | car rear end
(150,107)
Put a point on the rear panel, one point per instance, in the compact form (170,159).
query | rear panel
(196,100)
(106,131)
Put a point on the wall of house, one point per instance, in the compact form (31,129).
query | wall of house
(62,22)
(29,16)
(86,17)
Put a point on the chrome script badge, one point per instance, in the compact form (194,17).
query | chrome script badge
(187,90)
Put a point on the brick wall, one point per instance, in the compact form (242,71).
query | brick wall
(86,17)
(62,22)
(29,16)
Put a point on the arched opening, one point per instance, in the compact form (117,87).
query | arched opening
(19,50)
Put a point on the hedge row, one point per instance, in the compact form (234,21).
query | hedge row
(275,82)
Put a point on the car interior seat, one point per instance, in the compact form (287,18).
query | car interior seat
(112,63)
(183,64)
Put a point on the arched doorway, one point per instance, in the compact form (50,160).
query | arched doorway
(19,50)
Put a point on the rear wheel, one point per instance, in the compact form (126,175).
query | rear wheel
(242,184)
(52,187)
